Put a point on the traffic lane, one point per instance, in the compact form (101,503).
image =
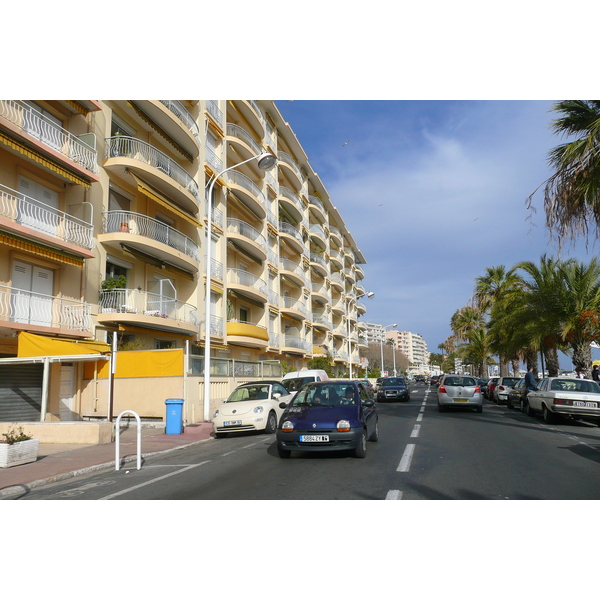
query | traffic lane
(499,454)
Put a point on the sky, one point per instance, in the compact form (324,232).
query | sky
(434,193)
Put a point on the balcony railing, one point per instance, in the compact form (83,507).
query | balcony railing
(35,124)
(237,178)
(237,226)
(290,230)
(241,134)
(216,269)
(213,160)
(321,320)
(318,258)
(24,306)
(248,279)
(212,106)
(291,266)
(148,304)
(216,325)
(293,341)
(293,198)
(130,222)
(318,230)
(288,160)
(294,304)
(316,202)
(35,214)
(129,147)
(182,113)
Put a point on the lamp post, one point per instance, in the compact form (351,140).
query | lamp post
(348,298)
(266,161)
(381,343)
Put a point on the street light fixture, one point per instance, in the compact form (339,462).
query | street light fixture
(348,298)
(266,161)
(381,343)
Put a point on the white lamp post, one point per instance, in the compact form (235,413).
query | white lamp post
(266,161)
(348,298)
(381,343)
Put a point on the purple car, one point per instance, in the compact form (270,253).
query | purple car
(326,416)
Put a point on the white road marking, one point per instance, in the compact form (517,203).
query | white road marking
(404,465)
(415,431)
(141,485)
(420,416)
(394,495)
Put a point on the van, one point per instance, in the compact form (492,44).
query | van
(294,380)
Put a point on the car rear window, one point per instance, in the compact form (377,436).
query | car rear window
(462,381)
(293,385)
(510,380)
(579,385)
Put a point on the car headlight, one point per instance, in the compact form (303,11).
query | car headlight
(287,427)
(258,409)
(343,425)
(216,414)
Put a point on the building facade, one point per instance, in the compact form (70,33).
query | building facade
(414,347)
(103,227)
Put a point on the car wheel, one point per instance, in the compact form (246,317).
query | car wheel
(548,416)
(361,450)
(271,423)
(283,453)
(441,408)
(528,410)
(375,435)
(479,409)
(508,403)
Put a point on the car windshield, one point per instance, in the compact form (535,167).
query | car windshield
(338,394)
(293,385)
(393,381)
(510,380)
(249,392)
(463,381)
(577,385)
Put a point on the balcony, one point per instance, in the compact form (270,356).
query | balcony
(336,258)
(292,271)
(317,208)
(337,281)
(172,117)
(293,307)
(54,141)
(291,236)
(247,192)
(154,167)
(33,219)
(335,232)
(291,170)
(145,309)
(247,284)
(320,321)
(319,264)
(242,141)
(294,344)
(151,236)
(318,236)
(252,113)
(251,335)
(291,203)
(360,274)
(247,238)
(320,293)
(26,310)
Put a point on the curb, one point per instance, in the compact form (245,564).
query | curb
(25,487)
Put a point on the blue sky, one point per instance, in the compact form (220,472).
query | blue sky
(434,192)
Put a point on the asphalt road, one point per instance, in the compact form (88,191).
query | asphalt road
(421,454)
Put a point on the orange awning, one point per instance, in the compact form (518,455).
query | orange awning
(31,344)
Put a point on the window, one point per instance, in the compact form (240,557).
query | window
(164,344)
(244,314)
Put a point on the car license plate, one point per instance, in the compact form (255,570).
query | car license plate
(314,438)
(585,404)
(461,400)
(231,423)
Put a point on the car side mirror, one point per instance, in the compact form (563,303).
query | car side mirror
(369,403)
(283,405)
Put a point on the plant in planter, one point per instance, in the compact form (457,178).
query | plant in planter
(17,448)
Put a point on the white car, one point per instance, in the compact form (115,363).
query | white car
(251,407)
(503,387)
(576,398)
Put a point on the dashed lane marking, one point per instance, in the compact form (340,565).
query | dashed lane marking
(406,459)
(394,495)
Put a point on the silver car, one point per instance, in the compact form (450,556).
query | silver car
(459,390)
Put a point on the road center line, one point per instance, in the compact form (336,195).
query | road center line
(415,431)
(394,495)
(404,465)
(135,487)
(420,416)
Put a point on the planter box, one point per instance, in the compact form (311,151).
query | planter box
(19,453)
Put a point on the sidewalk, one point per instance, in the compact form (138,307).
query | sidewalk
(57,462)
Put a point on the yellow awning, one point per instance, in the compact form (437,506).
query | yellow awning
(31,344)
(40,250)
(149,191)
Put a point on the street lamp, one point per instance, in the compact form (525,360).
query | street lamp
(266,161)
(348,298)
(381,343)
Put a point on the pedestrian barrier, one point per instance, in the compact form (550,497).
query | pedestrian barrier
(139,439)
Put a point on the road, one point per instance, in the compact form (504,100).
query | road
(421,454)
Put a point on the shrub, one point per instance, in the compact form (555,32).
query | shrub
(14,435)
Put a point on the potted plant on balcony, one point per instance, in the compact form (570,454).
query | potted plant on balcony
(17,448)
(109,301)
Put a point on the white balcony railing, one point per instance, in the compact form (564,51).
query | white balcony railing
(248,279)
(321,319)
(24,306)
(242,228)
(288,160)
(182,113)
(294,341)
(130,222)
(241,134)
(237,178)
(295,304)
(290,230)
(35,124)
(129,147)
(292,267)
(140,302)
(212,106)
(32,213)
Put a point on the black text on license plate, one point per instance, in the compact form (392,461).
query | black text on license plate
(585,404)
(231,423)
(314,438)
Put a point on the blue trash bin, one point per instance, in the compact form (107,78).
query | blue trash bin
(174,420)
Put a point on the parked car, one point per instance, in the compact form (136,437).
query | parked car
(459,390)
(294,380)
(328,416)
(565,396)
(489,392)
(434,381)
(393,388)
(252,406)
(483,385)
(502,387)
(419,378)
(517,394)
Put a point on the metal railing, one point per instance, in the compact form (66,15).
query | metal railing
(248,279)
(213,160)
(237,178)
(318,230)
(229,367)
(25,306)
(139,302)
(241,134)
(321,319)
(285,192)
(318,258)
(216,325)
(288,265)
(294,304)
(317,202)
(243,228)
(32,213)
(35,124)
(290,230)
(216,269)
(130,222)
(129,147)
(182,113)
(212,106)
(294,341)
(288,160)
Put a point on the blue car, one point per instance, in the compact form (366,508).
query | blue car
(328,416)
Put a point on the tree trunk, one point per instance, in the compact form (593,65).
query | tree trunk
(516,367)
(552,362)
(582,357)
(531,360)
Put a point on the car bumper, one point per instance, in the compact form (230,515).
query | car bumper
(338,440)
(502,398)
(446,401)
(575,411)
(401,395)
(245,425)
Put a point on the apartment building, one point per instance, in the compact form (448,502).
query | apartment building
(103,236)
(413,346)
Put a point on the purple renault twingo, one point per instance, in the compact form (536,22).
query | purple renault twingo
(329,416)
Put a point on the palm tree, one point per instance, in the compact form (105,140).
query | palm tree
(477,350)
(464,320)
(572,194)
